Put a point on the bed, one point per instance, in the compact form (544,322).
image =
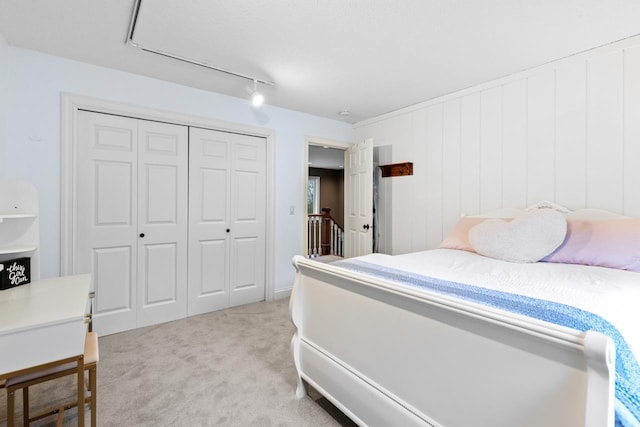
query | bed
(450,337)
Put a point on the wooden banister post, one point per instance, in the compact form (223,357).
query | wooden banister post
(325,244)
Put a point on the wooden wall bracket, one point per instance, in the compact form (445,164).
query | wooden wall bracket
(397,169)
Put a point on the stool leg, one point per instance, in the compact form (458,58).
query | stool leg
(80,396)
(94,397)
(25,405)
(60,418)
(10,408)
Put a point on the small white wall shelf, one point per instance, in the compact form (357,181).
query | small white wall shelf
(19,226)
(16,216)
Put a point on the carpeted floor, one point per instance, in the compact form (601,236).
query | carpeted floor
(228,368)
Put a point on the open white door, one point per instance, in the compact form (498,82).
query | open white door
(358,201)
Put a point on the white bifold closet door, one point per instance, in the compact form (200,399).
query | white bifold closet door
(131,219)
(227,185)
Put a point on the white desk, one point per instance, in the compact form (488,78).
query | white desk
(42,322)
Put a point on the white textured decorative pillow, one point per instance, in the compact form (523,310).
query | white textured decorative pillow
(528,238)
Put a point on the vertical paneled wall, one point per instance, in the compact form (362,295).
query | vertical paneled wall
(567,132)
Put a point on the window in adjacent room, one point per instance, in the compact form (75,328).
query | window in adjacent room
(313,195)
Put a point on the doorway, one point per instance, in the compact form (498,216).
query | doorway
(323,233)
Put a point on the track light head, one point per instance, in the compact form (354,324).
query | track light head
(256,97)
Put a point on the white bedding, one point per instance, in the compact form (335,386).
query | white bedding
(609,293)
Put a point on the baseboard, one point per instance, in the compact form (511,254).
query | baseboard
(282,293)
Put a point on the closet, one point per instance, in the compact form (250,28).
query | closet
(170,220)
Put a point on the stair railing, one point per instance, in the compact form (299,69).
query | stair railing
(324,235)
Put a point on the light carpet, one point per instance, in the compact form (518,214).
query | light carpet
(228,368)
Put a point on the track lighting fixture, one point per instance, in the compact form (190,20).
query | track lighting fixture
(256,97)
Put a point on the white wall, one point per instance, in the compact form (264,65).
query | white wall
(4,53)
(33,146)
(568,132)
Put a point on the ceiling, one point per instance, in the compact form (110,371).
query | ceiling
(364,56)
(323,157)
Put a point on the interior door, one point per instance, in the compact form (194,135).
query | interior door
(227,219)
(163,155)
(105,217)
(359,199)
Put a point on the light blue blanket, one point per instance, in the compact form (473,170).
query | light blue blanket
(627,382)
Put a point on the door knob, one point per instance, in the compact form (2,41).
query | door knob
(365,227)
(228,230)
(141,234)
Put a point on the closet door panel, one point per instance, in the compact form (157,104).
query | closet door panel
(161,184)
(214,189)
(245,283)
(113,182)
(209,199)
(160,274)
(106,213)
(213,283)
(162,222)
(246,208)
(113,281)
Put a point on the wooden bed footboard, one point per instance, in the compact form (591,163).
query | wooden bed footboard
(389,355)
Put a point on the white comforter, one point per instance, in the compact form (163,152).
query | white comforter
(611,294)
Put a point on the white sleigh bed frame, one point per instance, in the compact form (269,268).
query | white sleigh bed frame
(387,355)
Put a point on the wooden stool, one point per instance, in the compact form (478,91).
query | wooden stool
(91,357)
